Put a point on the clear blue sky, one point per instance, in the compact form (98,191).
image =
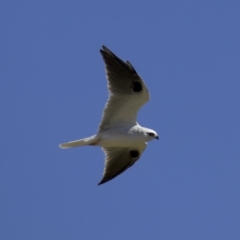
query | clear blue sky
(52,89)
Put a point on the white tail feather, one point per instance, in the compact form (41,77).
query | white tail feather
(78,143)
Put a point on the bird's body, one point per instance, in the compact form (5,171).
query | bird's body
(122,139)
(119,137)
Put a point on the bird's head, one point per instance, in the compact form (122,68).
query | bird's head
(151,135)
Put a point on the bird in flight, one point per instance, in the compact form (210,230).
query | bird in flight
(122,139)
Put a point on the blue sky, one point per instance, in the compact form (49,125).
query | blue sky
(53,89)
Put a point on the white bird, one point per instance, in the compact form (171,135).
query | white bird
(122,139)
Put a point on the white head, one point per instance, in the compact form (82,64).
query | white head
(150,134)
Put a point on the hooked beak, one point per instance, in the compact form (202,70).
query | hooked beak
(157,137)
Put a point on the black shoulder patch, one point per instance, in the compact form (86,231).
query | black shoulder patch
(137,86)
(134,154)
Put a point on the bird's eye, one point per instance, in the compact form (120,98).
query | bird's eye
(151,134)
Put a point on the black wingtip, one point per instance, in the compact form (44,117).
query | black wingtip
(104,181)
(105,51)
(108,54)
(100,183)
(104,48)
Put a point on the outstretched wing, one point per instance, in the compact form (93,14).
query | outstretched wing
(117,160)
(127,92)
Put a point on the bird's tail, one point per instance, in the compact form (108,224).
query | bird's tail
(82,142)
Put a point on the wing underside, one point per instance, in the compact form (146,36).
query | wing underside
(127,92)
(117,160)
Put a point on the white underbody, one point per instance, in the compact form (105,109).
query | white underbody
(123,137)
(133,136)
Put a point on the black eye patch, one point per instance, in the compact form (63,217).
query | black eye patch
(151,134)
